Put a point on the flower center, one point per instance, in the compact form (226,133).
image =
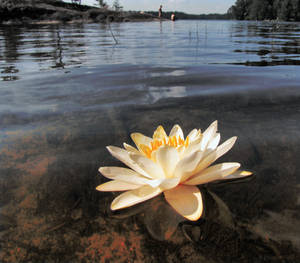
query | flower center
(156,143)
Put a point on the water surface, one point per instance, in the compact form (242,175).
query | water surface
(67,91)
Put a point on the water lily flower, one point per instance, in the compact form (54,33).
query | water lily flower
(170,164)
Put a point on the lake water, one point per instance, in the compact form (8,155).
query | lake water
(67,91)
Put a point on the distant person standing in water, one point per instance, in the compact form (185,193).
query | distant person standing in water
(160,11)
(173,17)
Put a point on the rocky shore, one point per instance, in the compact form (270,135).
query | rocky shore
(57,11)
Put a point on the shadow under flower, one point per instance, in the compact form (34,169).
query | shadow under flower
(162,221)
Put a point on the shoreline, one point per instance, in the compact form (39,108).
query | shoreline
(75,21)
(56,12)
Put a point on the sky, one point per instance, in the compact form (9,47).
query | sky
(187,6)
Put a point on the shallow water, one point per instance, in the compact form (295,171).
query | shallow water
(67,91)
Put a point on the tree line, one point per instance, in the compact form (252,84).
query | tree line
(285,10)
(182,15)
(116,5)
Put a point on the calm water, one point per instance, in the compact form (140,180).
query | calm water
(67,91)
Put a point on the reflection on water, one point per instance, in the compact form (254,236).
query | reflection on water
(157,93)
(275,43)
(69,91)
(26,50)
(34,49)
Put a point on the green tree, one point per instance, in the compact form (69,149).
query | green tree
(293,10)
(102,3)
(260,10)
(231,12)
(117,6)
(241,9)
(297,9)
(286,10)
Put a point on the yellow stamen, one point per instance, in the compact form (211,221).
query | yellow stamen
(164,141)
(156,143)
(187,141)
(147,150)
(181,142)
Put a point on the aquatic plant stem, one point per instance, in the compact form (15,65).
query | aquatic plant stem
(109,27)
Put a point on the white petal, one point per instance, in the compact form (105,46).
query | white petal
(213,156)
(139,138)
(176,131)
(181,150)
(186,166)
(169,183)
(213,173)
(123,174)
(194,134)
(116,186)
(238,175)
(167,157)
(123,156)
(212,145)
(159,133)
(134,197)
(150,167)
(186,200)
(128,176)
(155,183)
(129,148)
(214,142)
(193,146)
(153,156)
(208,134)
